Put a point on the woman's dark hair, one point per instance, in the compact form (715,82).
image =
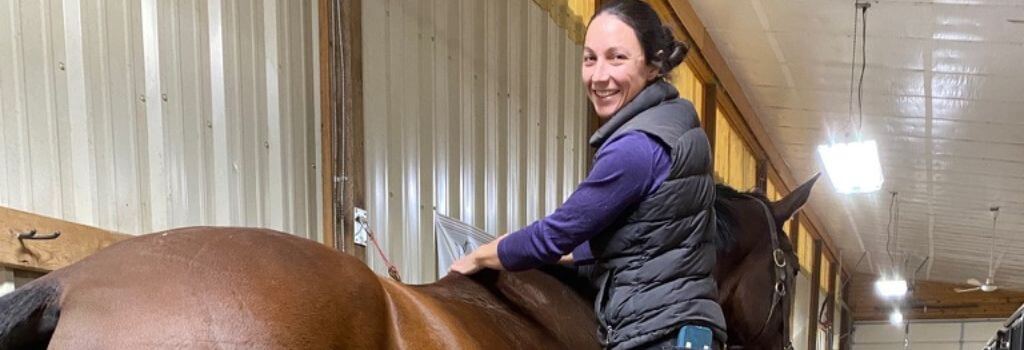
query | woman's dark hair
(661,49)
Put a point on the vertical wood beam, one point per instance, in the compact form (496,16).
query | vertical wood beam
(348,97)
(812,317)
(709,113)
(794,231)
(762,175)
(327,134)
(846,318)
(830,313)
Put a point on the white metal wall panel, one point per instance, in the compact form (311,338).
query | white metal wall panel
(142,116)
(952,334)
(473,108)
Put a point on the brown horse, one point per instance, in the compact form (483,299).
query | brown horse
(251,288)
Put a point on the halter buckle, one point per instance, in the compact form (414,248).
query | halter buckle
(779,257)
(780,288)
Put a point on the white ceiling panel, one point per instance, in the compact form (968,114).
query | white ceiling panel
(975,58)
(943,95)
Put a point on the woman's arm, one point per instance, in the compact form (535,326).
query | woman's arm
(627,169)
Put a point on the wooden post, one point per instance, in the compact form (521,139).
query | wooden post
(709,113)
(794,231)
(846,320)
(812,319)
(347,67)
(762,175)
(327,122)
(831,311)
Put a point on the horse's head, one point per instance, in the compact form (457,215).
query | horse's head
(756,271)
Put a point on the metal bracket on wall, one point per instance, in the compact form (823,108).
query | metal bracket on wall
(360,224)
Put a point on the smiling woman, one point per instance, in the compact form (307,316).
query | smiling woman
(644,206)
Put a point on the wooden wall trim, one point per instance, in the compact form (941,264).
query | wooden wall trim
(756,135)
(351,170)
(75,242)
(794,231)
(812,317)
(846,322)
(830,312)
(327,155)
(762,174)
(710,115)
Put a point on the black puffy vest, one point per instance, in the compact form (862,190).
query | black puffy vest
(657,258)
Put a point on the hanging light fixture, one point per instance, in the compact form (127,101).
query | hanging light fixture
(891,288)
(854,166)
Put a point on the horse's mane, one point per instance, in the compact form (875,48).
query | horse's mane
(725,218)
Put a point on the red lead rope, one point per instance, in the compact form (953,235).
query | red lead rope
(392,270)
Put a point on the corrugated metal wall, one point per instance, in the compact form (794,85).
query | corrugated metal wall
(137,116)
(473,108)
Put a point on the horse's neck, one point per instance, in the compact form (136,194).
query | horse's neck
(742,241)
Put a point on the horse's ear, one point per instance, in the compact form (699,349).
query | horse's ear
(787,206)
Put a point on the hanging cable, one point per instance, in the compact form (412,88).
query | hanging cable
(853,68)
(863,63)
(896,226)
(888,230)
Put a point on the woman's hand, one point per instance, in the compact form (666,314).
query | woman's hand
(484,257)
(566,260)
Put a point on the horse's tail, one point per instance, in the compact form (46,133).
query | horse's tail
(29,315)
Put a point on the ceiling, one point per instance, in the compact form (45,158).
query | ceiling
(943,95)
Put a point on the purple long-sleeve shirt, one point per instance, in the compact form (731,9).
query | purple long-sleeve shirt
(627,169)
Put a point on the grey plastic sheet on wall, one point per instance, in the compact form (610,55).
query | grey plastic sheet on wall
(454,240)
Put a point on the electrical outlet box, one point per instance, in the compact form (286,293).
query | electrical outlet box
(360,224)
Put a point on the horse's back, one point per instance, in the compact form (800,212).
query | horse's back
(495,310)
(219,287)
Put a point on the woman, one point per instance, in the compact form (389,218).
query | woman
(644,214)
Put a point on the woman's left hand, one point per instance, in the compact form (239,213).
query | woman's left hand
(484,257)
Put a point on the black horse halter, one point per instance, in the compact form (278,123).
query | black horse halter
(779,291)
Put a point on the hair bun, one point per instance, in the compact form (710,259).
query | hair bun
(673,54)
(677,54)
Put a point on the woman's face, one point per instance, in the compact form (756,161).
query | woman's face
(614,68)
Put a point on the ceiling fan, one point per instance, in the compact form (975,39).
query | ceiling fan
(989,285)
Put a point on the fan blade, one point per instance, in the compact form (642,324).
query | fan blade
(974,282)
(965,290)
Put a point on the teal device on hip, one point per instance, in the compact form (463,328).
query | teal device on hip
(695,338)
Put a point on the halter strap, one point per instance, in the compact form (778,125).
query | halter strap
(779,289)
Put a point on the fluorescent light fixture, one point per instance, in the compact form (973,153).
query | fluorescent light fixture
(853,167)
(896,317)
(891,288)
